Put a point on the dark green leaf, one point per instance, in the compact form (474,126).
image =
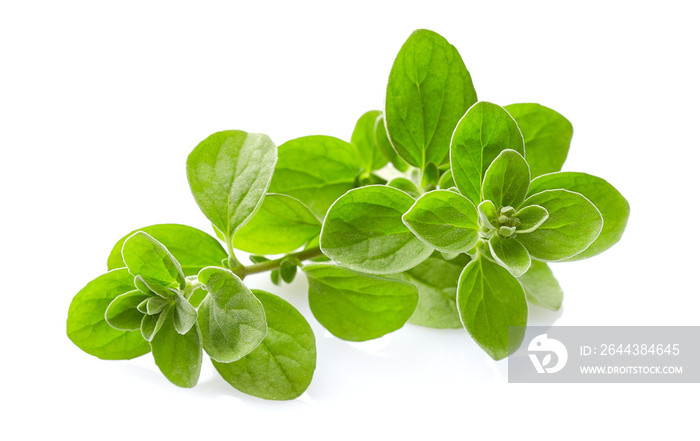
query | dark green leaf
(87,327)
(489,300)
(194,249)
(229,173)
(288,269)
(612,205)
(282,366)
(317,170)
(363,230)
(231,318)
(428,92)
(484,132)
(547,136)
(179,357)
(356,306)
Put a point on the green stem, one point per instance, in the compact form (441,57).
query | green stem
(270,265)
(233,263)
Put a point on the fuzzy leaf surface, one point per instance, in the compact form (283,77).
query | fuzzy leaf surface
(179,357)
(541,287)
(506,180)
(146,257)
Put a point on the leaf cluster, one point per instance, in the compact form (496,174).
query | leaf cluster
(441,211)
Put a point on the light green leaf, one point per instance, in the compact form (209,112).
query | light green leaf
(363,231)
(156,305)
(123,314)
(506,180)
(541,287)
(151,324)
(612,205)
(363,138)
(356,306)
(445,220)
(547,136)
(489,300)
(510,254)
(86,325)
(481,135)
(282,366)
(184,315)
(381,139)
(146,257)
(282,225)
(488,214)
(428,92)
(572,226)
(436,279)
(317,170)
(530,218)
(192,248)
(231,318)
(229,173)
(446,181)
(406,185)
(179,357)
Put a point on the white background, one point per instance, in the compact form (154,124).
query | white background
(101,103)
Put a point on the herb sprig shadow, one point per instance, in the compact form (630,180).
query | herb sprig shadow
(460,239)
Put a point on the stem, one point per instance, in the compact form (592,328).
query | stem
(233,263)
(270,265)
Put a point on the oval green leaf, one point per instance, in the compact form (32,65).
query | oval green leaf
(428,92)
(541,287)
(510,254)
(282,366)
(282,225)
(317,170)
(481,135)
(530,217)
(363,138)
(547,136)
(86,325)
(123,314)
(506,180)
(445,220)
(364,231)
(612,205)
(231,318)
(356,306)
(179,357)
(146,257)
(192,248)
(489,301)
(229,173)
(572,226)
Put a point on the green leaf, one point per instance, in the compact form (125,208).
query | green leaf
(572,226)
(356,306)
(547,136)
(122,313)
(406,185)
(288,269)
(86,325)
(541,287)
(184,315)
(179,357)
(446,181)
(481,135)
(436,280)
(229,173)
(146,257)
(231,318)
(317,170)
(489,300)
(282,366)
(510,254)
(151,324)
(363,138)
(488,214)
(445,220)
(506,180)
(612,205)
(530,218)
(156,305)
(363,231)
(381,139)
(428,92)
(192,248)
(282,225)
